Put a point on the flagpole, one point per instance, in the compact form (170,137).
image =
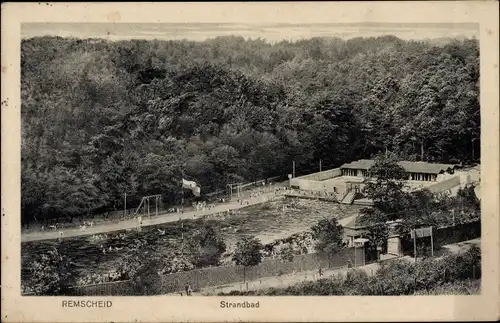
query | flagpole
(182,194)
(182,213)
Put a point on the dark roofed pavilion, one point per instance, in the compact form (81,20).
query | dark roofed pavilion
(420,171)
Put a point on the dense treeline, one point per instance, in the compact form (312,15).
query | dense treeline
(102,118)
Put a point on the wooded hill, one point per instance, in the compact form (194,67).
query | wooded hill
(102,118)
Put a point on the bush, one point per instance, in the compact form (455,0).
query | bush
(328,235)
(466,287)
(393,278)
(50,274)
(356,282)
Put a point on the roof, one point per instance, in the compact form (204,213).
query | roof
(409,166)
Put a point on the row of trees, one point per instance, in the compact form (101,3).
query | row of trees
(100,118)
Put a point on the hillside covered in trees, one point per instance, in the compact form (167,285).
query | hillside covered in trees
(101,118)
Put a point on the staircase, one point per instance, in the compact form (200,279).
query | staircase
(349,198)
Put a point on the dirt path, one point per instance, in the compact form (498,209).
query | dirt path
(312,275)
(281,281)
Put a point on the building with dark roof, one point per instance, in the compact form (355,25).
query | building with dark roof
(417,171)
(346,183)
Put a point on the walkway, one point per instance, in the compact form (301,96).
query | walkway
(281,281)
(312,275)
(133,223)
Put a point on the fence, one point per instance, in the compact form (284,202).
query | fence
(118,215)
(217,276)
(259,183)
(444,236)
(125,287)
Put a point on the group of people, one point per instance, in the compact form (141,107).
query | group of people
(243,202)
(199,206)
(99,237)
(52,227)
(86,224)
(110,249)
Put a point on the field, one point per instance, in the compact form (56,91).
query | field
(98,255)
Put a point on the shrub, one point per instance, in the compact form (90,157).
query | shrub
(50,274)
(328,235)
(466,287)
(248,252)
(448,275)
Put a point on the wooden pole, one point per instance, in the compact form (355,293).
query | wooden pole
(293,170)
(355,255)
(364,254)
(182,202)
(125,206)
(415,244)
(432,243)
(148,206)
(472,149)
(320,165)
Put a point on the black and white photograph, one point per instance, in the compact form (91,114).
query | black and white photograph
(221,159)
(216,160)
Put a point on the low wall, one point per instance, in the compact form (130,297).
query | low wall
(320,186)
(321,176)
(445,185)
(311,196)
(217,276)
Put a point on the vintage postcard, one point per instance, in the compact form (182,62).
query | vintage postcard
(276,161)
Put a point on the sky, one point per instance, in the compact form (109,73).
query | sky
(270,32)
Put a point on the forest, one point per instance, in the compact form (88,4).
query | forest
(102,118)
